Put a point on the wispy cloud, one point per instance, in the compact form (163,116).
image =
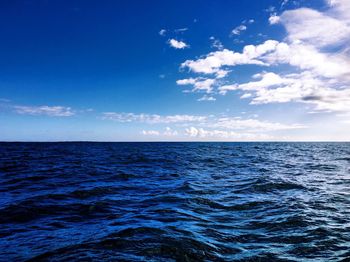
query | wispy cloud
(162,32)
(59,111)
(238,30)
(168,132)
(181,30)
(5,100)
(216,43)
(212,121)
(151,119)
(206,98)
(200,133)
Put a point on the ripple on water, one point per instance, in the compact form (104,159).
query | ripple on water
(174,202)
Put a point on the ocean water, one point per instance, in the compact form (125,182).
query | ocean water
(174,201)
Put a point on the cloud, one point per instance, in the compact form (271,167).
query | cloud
(216,43)
(303,87)
(150,132)
(274,19)
(340,9)
(315,28)
(307,57)
(177,44)
(214,61)
(330,100)
(238,30)
(5,100)
(199,84)
(253,125)
(58,111)
(181,30)
(316,50)
(162,32)
(284,2)
(230,123)
(168,132)
(151,119)
(200,133)
(206,98)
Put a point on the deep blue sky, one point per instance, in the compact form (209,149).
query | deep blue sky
(108,56)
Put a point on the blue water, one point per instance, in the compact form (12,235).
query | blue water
(175,201)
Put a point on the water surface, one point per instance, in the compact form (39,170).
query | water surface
(175,201)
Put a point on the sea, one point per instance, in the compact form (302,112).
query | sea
(94,201)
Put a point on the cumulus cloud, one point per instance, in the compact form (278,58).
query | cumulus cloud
(177,44)
(214,61)
(316,47)
(59,111)
(303,87)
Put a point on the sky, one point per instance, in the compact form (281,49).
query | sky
(199,70)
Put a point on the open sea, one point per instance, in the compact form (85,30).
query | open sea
(83,201)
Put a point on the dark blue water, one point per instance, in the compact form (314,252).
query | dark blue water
(175,201)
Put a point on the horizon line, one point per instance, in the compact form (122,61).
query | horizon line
(180,141)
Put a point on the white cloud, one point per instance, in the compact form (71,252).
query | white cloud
(162,32)
(315,28)
(284,2)
(340,9)
(151,119)
(274,19)
(181,30)
(307,57)
(150,132)
(216,43)
(316,47)
(238,29)
(44,110)
(303,87)
(200,133)
(212,121)
(177,44)
(206,98)
(316,52)
(253,125)
(246,95)
(199,84)
(213,62)
(170,132)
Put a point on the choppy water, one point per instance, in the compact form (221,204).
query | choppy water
(175,201)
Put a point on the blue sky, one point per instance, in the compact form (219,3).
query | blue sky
(175,70)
